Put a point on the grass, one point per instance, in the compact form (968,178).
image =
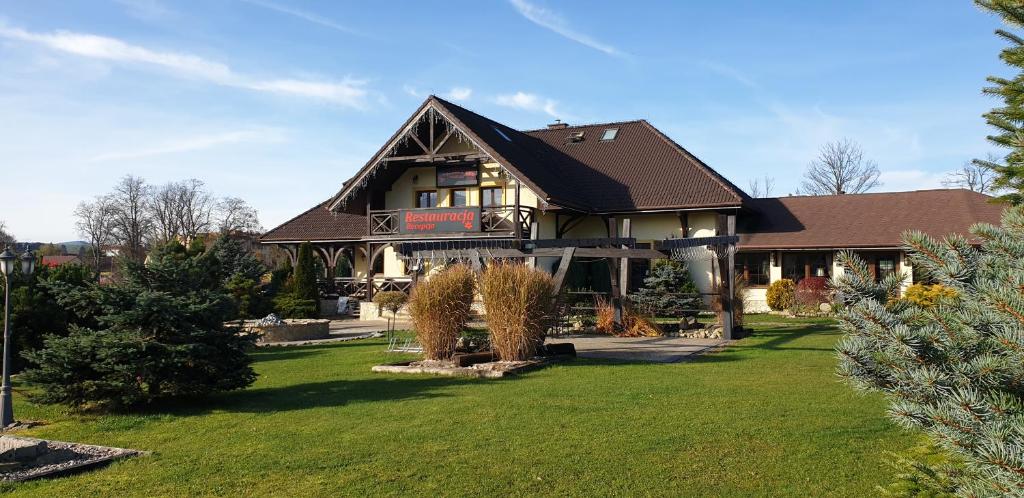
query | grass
(765,417)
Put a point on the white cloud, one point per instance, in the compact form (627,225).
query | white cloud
(459,93)
(195,143)
(306,16)
(347,92)
(413,91)
(529,102)
(552,21)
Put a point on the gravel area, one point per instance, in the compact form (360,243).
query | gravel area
(62,457)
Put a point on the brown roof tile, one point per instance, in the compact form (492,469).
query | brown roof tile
(862,220)
(318,224)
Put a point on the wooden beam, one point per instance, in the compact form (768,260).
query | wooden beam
(418,142)
(515,214)
(728,323)
(563,268)
(444,140)
(624,262)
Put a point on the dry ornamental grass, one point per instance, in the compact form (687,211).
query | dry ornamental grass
(440,308)
(520,304)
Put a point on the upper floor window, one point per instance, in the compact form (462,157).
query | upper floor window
(426,199)
(490,196)
(459,198)
(609,134)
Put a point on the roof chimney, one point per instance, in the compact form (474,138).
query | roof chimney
(557,125)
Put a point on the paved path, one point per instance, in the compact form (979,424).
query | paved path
(653,349)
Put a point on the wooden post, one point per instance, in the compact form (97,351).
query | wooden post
(517,225)
(369,271)
(624,262)
(563,268)
(532,261)
(613,271)
(727,304)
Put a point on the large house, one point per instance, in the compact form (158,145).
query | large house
(451,181)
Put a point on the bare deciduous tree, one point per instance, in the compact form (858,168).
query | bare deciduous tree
(95,222)
(163,208)
(762,187)
(132,224)
(6,238)
(977,176)
(235,215)
(195,209)
(840,168)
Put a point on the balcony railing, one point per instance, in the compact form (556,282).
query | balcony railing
(492,219)
(356,287)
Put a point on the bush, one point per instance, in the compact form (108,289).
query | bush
(520,303)
(605,316)
(288,305)
(668,291)
(160,335)
(392,302)
(781,294)
(952,370)
(810,293)
(440,308)
(928,295)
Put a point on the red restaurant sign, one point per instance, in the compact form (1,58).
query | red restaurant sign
(440,220)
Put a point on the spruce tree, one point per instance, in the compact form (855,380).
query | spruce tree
(954,368)
(159,334)
(1008,120)
(668,290)
(305,274)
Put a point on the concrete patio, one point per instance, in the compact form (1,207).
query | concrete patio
(650,349)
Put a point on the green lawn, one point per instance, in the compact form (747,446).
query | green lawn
(765,417)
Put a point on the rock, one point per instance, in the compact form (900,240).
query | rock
(271,319)
(19,449)
(825,307)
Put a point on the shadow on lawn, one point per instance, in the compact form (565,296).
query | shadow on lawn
(320,394)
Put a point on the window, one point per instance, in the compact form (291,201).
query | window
(609,134)
(886,267)
(459,198)
(490,196)
(797,265)
(426,199)
(753,267)
(503,135)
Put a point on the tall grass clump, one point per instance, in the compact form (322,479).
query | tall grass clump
(520,304)
(440,307)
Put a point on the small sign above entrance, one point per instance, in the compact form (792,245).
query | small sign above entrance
(440,220)
(458,175)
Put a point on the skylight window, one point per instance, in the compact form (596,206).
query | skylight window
(609,134)
(503,135)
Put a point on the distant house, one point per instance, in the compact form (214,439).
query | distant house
(451,182)
(55,261)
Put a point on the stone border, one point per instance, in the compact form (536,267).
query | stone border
(483,372)
(73,466)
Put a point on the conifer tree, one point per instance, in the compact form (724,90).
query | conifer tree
(305,274)
(668,290)
(1008,120)
(954,368)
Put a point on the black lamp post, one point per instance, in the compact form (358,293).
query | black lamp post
(7,262)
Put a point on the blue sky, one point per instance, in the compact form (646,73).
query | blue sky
(279,101)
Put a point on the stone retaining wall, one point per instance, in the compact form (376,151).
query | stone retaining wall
(291,330)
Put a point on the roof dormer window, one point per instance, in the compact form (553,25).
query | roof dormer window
(609,134)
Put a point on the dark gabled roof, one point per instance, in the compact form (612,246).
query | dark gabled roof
(318,224)
(641,169)
(875,220)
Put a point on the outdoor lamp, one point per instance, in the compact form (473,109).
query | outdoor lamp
(7,261)
(28,263)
